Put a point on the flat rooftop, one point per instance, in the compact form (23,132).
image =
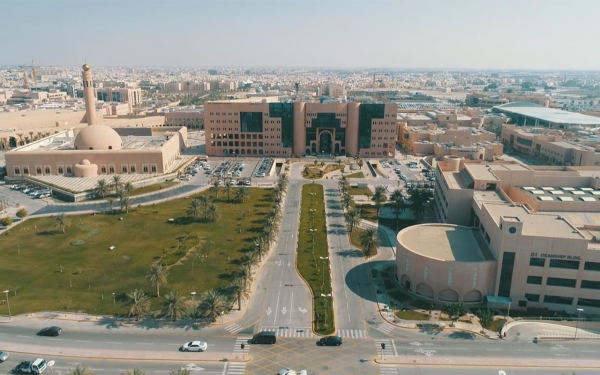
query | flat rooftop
(63,143)
(444,242)
(552,115)
(562,194)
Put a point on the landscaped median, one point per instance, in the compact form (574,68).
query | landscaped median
(313,257)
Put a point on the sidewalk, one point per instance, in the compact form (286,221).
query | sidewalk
(486,361)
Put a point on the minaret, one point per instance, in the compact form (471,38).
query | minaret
(88,95)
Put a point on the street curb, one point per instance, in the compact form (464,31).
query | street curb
(485,362)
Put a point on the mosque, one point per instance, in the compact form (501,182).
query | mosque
(97,149)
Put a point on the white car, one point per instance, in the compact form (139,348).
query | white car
(287,371)
(195,346)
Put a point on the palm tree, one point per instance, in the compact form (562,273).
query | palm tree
(213,212)
(215,188)
(242,194)
(241,289)
(205,202)
(139,304)
(262,246)
(128,187)
(111,200)
(418,198)
(136,371)
(102,188)
(379,197)
(249,260)
(157,276)
(212,304)
(352,218)
(174,307)
(228,185)
(194,209)
(117,182)
(124,200)
(61,222)
(180,371)
(369,239)
(347,201)
(20,135)
(398,202)
(81,371)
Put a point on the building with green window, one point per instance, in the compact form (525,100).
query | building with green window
(244,128)
(509,234)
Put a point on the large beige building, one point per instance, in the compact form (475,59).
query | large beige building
(97,149)
(300,128)
(524,236)
(549,145)
(132,96)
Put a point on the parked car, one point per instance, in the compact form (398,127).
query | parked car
(264,337)
(50,331)
(3,356)
(330,341)
(195,346)
(287,371)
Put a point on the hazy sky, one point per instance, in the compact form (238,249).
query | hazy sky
(479,34)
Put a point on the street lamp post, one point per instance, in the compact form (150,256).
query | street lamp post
(508,312)
(8,303)
(323,259)
(114,300)
(577,323)
(193,301)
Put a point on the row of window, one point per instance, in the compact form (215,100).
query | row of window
(565,264)
(562,300)
(567,283)
(236,136)
(236,144)
(382,138)
(225,114)
(103,169)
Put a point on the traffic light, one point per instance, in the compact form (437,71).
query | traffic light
(243,346)
(383,346)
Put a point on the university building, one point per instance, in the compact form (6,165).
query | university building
(265,128)
(509,235)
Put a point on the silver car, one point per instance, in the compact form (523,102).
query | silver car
(3,356)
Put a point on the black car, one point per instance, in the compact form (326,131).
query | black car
(50,331)
(330,341)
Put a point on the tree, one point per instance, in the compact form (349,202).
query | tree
(157,277)
(379,197)
(486,317)
(194,209)
(111,201)
(213,212)
(228,185)
(455,311)
(360,163)
(81,371)
(174,307)
(135,371)
(128,187)
(241,289)
(215,188)
(242,194)
(117,183)
(61,222)
(369,240)
(418,198)
(138,304)
(398,201)
(6,221)
(102,188)
(205,201)
(352,217)
(212,304)
(22,213)
(124,200)
(347,201)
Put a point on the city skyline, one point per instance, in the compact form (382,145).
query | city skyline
(469,35)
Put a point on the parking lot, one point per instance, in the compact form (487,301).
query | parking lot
(241,171)
(13,199)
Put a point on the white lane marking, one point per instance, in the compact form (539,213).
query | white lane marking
(144,343)
(526,350)
(114,343)
(82,341)
(349,320)
(53,339)
(494,350)
(25,337)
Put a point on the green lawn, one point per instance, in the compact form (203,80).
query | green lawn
(369,212)
(48,270)
(316,171)
(314,270)
(355,175)
(496,324)
(360,191)
(355,240)
(153,188)
(411,315)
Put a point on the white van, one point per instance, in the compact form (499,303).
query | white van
(38,366)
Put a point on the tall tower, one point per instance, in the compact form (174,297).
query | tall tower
(88,95)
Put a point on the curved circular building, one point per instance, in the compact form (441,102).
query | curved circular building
(445,263)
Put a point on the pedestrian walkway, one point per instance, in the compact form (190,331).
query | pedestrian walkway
(290,332)
(234,328)
(385,327)
(390,347)
(352,333)
(237,348)
(388,369)
(234,368)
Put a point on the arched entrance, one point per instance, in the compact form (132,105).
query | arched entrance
(473,296)
(12,142)
(424,290)
(325,143)
(405,282)
(448,295)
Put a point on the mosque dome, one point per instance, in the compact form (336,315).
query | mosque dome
(98,137)
(86,67)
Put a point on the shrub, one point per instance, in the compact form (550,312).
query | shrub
(6,221)
(22,213)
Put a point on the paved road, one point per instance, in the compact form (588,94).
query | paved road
(496,370)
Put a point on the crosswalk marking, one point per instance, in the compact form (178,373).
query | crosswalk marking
(238,344)
(290,331)
(236,368)
(352,333)
(234,328)
(388,369)
(389,347)
(385,327)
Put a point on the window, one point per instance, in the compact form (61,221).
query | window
(38,170)
(506,272)
(588,302)
(132,168)
(145,169)
(103,169)
(17,171)
(559,300)
(153,169)
(568,264)
(532,297)
(537,262)
(557,281)
(111,169)
(60,170)
(589,284)
(47,170)
(591,266)
(535,280)
(69,170)
(124,169)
